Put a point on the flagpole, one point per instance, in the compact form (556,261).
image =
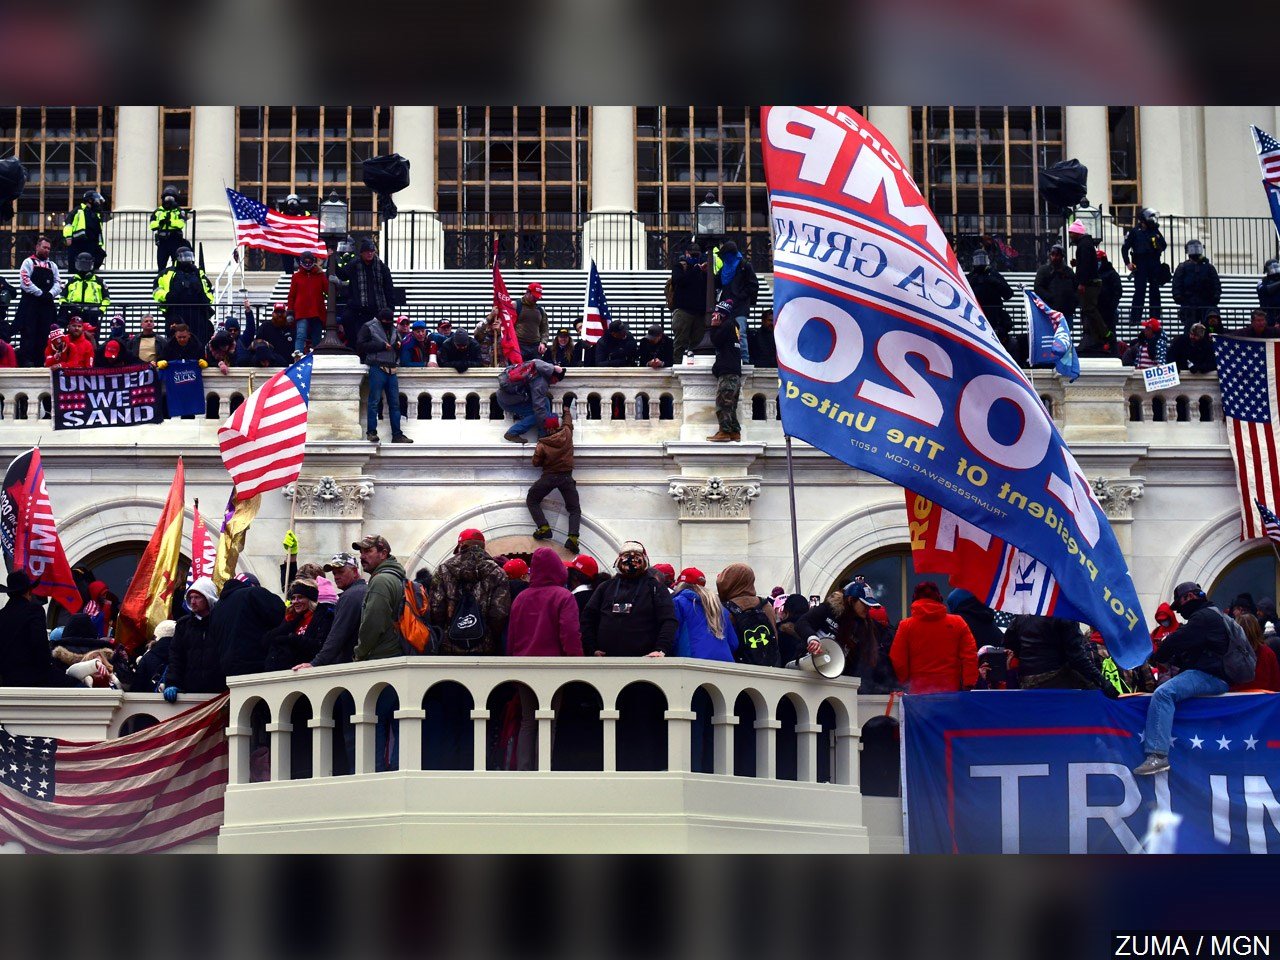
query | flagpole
(791,496)
(293,508)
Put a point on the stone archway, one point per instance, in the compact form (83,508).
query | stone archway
(869,528)
(506,526)
(1213,548)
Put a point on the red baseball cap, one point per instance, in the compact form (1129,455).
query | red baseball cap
(470,534)
(551,423)
(585,566)
(692,575)
(111,350)
(1152,323)
(515,568)
(667,570)
(535,289)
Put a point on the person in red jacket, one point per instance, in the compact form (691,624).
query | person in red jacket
(933,650)
(1267,674)
(306,304)
(72,349)
(544,623)
(1166,623)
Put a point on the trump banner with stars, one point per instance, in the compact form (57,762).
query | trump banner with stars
(1050,771)
(888,364)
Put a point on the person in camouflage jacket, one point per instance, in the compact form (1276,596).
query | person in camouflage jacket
(470,568)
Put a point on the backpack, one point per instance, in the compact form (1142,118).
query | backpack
(519,373)
(417,636)
(1240,662)
(467,633)
(757,639)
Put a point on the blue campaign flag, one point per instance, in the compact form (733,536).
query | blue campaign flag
(1050,771)
(1049,336)
(887,363)
(184,388)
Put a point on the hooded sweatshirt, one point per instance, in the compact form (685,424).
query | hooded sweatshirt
(1163,612)
(379,635)
(933,650)
(544,616)
(240,626)
(194,664)
(736,584)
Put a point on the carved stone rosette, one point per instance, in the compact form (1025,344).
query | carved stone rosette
(714,498)
(328,497)
(1117,495)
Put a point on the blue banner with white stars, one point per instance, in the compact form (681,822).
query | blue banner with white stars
(1050,771)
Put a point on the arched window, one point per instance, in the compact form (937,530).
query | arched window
(115,566)
(1256,573)
(892,577)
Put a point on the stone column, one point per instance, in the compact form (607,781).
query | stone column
(281,751)
(414,240)
(679,740)
(321,747)
(213,150)
(410,733)
(1087,141)
(1116,496)
(1172,160)
(895,124)
(714,517)
(613,235)
(136,191)
(1094,408)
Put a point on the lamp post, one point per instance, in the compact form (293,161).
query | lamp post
(333,227)
(709,227)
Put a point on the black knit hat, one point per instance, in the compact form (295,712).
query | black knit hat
(305,588)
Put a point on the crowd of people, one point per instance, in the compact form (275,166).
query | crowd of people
(361,605)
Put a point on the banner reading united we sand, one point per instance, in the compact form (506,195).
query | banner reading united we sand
(888,364)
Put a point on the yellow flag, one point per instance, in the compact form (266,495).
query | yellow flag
(231,540)
(150,593)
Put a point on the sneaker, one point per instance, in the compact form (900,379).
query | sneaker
(372,437)
(571,545)
(542,533)
(514,438)
(1155,763)
(297,355)
(720,437)
(400,438)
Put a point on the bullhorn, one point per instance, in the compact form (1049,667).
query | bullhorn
(827,662)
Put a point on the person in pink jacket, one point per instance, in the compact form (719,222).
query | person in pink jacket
(544,623)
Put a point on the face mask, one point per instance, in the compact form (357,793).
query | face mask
(630,564)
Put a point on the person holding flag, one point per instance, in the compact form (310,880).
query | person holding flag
(1050,340)
(509,345)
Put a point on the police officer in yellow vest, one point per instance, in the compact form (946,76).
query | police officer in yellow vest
(83,231)
(85,295)
(187,295)
(167,223)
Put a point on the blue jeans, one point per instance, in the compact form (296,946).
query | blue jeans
(307,328)
(381,383)
(526,418)
(742,338)
(1188,683)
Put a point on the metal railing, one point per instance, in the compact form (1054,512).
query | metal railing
(128,239)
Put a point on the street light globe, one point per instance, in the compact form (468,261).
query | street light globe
(333,218)
(710,221)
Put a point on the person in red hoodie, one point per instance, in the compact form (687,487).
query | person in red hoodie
(307,292)
(933,650)
(1166,623)
(544,623)
(73,350)
(1266,676)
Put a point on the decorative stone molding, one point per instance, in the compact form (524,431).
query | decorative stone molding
(1117,495)
(714,498)
(328,497)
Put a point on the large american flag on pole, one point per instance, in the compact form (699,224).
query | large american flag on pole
(1268,156)
(149,791)
(262,228)
(1247,376)
(596,316)
(262,442)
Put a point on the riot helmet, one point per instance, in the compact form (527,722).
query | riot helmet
(84,263)
(92,197)
(1149,215)
(185,257)
(169,198)
(1195,249)
(1272,267)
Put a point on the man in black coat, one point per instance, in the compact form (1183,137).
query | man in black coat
(1197,650)
(655,350)
(1052,654)
(1196,286)
(193,656)
(617,348)
(991,291)
(461,352)
(1112,291)
(367,284)
(1268,292)
(632,615)
(1056,284)
(1095,334)
(764,350)
(689,301)
(24,642)
(1141,253)
(246,613)
(1193,351)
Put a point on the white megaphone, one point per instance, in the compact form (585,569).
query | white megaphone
(827,662)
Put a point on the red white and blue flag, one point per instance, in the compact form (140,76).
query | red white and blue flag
(260,227)
(1270,523)
(262,442)
(29,534)
(1050,338)
(152,790)
(204,551)
(1247,371)
(596,316)
(887,363)
(1269,160)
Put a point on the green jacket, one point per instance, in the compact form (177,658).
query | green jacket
(379,635)
(168,221)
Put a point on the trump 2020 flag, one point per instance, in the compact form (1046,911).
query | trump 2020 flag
(262,442)
(1050,338)
(184,388)
(888,364)
(596,316)
(29,534)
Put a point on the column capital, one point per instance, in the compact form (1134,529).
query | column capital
(714,498)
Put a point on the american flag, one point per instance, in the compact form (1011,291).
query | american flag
(1247,374)
(596,317)
(262,441)
(1270,523)
(149,791)
(1268,156)
(262,228)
